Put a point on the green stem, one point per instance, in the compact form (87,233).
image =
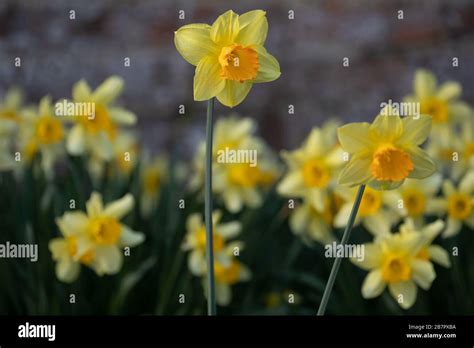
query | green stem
(211,291)
(337,261)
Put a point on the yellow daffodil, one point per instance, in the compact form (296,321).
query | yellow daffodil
(154,172)
(441,102)
(416,197)
(95,134)
(399,261)
(42,132)
(94,239)
(229,56)
(378,210)
(428,251)
(10,107)
(457,203)
(195,241)
(7,128)
(386,152)
(312,167)
(312,224)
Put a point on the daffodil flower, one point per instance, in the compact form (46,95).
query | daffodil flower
(441,102)
(7,162)
(312,167)
(226,276)
(95,134)
(10,106)
(386,152)
(399,261)
(229,56)
(457,203)
(94,239)
(154,172)
(195,241)
(42,132)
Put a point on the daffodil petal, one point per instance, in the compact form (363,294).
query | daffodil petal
(424,83)
(229,230)
(449,90)
(439,255)
(269,68)
(208,82)
(371,259)
(467,183)
(225,28)
(122,116)
(234,93)
(354,137)
(193,42)
(58,248)
(253,28)
(109,90)
(67,271)
(423,273)
(373,284)
(81,91)
(415,130)
(72,223)
(130,238)
(94,205)
(423,165)
(386,127)
(291,184)
(404,293)
(452,228)
(223,294)
(356,172)
(121,207)
(108,259)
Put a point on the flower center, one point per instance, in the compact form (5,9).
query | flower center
(238,63)
(227,275)
(459,206)
(390,164)
(244,175)
(217,239)
(395,268)
(151,181)
(468,151)
(86,258)
(436,108)
(100,122)
(316,174)
(105,230)
(370,203)
(9,115)
(49,130)
(415,201)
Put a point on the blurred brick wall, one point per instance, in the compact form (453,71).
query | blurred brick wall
(383,50)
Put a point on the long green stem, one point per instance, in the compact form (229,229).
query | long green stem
(337,261)
(211,290)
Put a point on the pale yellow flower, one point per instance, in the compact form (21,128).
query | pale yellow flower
(441,102)
(95,135)
(400,262)
(42,132)
(312,167)
(378,210)
(457,203)
(11,105)
(153,173)
(95,239)
(386,152)
(229,56)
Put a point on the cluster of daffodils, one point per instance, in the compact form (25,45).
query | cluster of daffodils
(243,165)
(407,186)
(95,238)
(228,270)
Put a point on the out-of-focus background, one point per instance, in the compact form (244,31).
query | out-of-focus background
(383,53)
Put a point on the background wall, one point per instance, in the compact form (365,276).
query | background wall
(383,51)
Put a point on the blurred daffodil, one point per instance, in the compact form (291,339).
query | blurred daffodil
(154,172)
(312,167)
(378,210)
(398,261)
(10,106)
(229,56)
(195,241)
(457,203)
(441,102)
(42,133)
(7,161)
(94,134)
(94,238)
(386,152)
